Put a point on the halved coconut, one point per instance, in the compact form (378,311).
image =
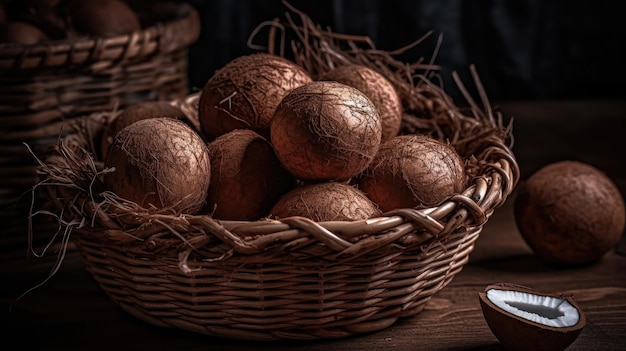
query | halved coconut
(525,319)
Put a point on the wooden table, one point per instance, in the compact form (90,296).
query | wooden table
(70,312)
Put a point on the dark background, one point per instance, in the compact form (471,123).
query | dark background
(522,49)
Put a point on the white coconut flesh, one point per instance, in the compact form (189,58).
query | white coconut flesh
(547,310)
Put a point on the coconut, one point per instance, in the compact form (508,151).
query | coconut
(326,201)
(570,212)
(18,32)
(136,112)
(377,88)
(522,318)
(413,170)
(102,17)
(245,92)
(161,163)
(326,130)
(247,179)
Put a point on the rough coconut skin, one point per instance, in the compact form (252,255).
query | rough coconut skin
(245,93)
(136,112)
(411,171)
(570,212)
(326,201)
(247,179)
(160,162)
(378,89)
(326,130)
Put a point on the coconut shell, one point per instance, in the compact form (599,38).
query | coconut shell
(413,170)
(247,179)
(378,89)
(136,112)
(326,201)
(17,32)
(102,17)
(326,130)
(517,333)
(570,213)
(161,163)
(245,93)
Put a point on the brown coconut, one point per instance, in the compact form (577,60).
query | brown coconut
(247,179)
(161,163)
(245,92)
(102,17)
(326,201)
(570,212)
(24,33)
(136,112)
(326,130)
(413,171)
(377,88)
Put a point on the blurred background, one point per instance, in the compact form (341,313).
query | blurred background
(522,49)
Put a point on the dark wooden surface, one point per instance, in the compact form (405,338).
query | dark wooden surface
(70,312)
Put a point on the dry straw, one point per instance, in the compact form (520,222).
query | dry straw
(291,278)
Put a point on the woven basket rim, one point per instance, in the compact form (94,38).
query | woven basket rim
(168,36)
(424,226)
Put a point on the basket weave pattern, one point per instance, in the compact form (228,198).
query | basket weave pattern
(263,298)
(43,87)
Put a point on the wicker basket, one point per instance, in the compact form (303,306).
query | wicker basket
(291,278)
(44,86)
(270,279)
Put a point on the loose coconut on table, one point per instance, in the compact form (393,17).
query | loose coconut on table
(289,277)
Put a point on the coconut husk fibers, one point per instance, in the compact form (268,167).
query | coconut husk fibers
(291,258)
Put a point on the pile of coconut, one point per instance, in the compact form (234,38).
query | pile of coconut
(344,139)
(333,129)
